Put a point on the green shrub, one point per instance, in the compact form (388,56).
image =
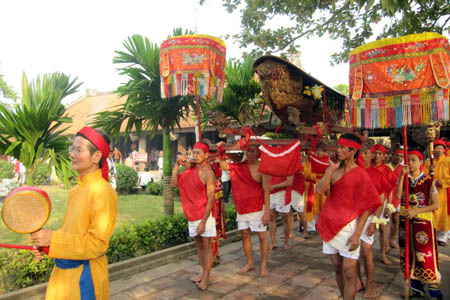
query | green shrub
(123,244)
(230,217)
(19,269)
(42,174)
(127,179)
(72,177)
(154,188)
(6,169)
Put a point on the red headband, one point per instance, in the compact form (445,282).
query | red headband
(379,147)
(349,143)
(440,143)
(201,146)
(97,140)
(399,151)
(416,153)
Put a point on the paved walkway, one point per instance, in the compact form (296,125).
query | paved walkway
(302,272)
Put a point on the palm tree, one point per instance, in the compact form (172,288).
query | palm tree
(144,108)
(241,97)
(31,130)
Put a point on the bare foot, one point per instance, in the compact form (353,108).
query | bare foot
(412,293)
(359,286)
(393,244)
(264,272)
(287,246)
(273,247)
(385,260)
(371,293)
(196,278)
(203,285)
(246,269)
(306,235)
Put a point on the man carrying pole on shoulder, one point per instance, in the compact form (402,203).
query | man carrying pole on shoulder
(197,187)
(251,194)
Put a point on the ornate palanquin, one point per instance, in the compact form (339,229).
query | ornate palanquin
(400,81)
(286,86)
(193,65)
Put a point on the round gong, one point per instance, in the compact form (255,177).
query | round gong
(26,209)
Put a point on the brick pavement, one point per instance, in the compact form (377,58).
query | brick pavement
(302,272)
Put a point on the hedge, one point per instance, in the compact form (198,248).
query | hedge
(127,179)
(18,269)
(42,174)
(6,169)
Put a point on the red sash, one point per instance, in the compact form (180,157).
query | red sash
(378,180)
(299,183)
(193,194)
(248,195)
(389,175)
(345,203)
(280,161)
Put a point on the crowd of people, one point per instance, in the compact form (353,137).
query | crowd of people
(345,196)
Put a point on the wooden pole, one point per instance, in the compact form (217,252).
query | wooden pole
(406,187)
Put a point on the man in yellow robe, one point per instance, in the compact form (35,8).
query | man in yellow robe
(79,246)
(441,168)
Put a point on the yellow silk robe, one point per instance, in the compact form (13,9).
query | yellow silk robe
(319,199)
(87,227)
(441,172)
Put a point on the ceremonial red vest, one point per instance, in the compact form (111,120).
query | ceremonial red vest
(193,194)
(248,195)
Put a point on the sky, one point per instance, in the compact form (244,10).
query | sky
(79,38)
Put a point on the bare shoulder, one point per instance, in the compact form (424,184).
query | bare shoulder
(206,173)
(257,176)
(337,175)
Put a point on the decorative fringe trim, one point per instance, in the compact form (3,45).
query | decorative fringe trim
(396,111)
(202,84)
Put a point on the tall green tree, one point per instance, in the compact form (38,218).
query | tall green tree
(31,130)
(352,21)
(144,109)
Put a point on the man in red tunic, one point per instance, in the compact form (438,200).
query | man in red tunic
(345,212)
(251,193)
(379,157)
(197,188)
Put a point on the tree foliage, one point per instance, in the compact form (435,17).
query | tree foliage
(144,109)
(353,21)
(6,90)
(241,96)
(343,88)
(31,131)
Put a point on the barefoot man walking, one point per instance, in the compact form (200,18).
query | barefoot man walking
(196,185)
(345,212)
(251,194)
